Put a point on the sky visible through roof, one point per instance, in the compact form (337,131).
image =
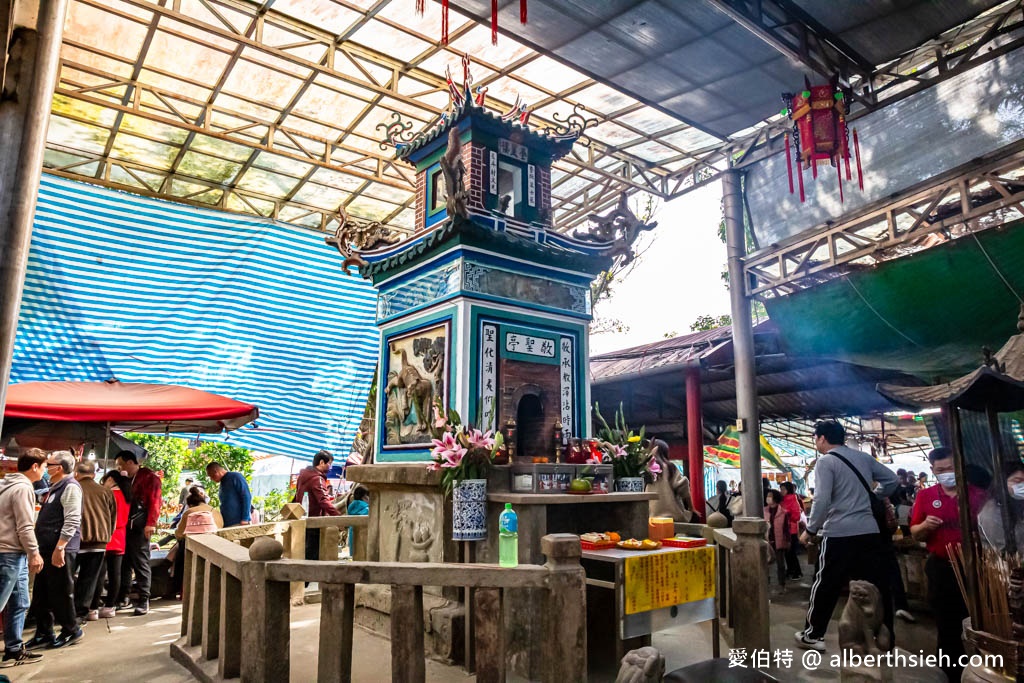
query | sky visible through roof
(273,108)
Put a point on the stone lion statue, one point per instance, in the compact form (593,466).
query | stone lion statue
(860,628)
(644,665)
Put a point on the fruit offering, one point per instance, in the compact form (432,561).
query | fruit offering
(634,544)
(596,537)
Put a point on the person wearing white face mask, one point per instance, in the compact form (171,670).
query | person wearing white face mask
(990,520)
(935,521)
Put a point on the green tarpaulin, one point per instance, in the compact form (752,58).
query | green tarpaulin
(927,314)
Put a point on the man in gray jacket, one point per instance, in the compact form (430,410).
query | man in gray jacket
(852,547)
(19,551)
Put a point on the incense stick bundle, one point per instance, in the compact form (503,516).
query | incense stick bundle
(993,584)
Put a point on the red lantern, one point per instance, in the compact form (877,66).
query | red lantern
(820,133)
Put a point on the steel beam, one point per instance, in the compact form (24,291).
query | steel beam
(743,347)
(33,59)
(943,207)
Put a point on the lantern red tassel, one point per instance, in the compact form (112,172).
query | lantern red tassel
(856,152)
(419,7)
(444,22)
(789,164)
(839,174)
(800,177)
(494,22)
(522,11)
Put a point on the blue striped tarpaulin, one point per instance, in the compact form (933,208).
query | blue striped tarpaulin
(151,291)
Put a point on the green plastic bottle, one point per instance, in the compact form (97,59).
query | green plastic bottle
(508,537)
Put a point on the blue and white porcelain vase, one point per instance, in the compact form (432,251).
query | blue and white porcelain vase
(469,510)
(629,485)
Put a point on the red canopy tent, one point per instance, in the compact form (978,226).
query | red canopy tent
(127,406)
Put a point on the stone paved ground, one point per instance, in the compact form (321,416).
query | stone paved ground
(136,648)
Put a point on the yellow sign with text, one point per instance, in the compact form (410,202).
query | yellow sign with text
(672,578)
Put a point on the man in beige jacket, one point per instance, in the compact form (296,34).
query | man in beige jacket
(19,551)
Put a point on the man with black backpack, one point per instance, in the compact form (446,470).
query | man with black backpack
(851,520)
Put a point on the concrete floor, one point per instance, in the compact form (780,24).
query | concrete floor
(137,648)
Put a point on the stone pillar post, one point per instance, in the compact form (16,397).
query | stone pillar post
(751,628)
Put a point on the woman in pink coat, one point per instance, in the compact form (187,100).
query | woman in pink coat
(778,533)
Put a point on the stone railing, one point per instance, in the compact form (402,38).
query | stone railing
(239,600)
(741,562)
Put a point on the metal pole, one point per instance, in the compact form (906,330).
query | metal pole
(743,348)
(1001,494)
(33,61)
(695,439)
(969,529)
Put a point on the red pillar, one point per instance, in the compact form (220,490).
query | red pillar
(695,439)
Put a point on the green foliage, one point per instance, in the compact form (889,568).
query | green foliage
(171,456)
(710,322)
(234,458)
(164,454)
(272,503)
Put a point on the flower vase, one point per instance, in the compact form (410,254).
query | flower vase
(629,485)
(469,510)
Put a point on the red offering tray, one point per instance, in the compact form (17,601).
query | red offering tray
(599,545)
(684,542)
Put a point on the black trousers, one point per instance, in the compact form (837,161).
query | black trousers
(112,572)
(312,544)
(948,606)
(793,567)
(53,595)
(844,559)
(136,558)
(90,566)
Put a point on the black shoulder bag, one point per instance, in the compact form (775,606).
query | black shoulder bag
(877,505)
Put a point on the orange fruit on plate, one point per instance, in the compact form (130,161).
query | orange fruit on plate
(612,536)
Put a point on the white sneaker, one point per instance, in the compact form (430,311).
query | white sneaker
(93,615)
(906,616)
(107,613)
(806,642)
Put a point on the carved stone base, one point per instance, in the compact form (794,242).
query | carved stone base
(443,621)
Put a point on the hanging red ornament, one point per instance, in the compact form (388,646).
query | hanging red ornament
(420,7)
(494,22)
(522,11)
(820,133)
(444,22)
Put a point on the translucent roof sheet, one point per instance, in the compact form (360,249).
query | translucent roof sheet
(272,107)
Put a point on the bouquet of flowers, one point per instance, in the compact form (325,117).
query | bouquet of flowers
(460,451)
(625,450)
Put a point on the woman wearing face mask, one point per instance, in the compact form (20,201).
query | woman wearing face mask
(990,520)
(935,521)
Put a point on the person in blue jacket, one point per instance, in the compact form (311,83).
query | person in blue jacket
(235,497)
(360,505)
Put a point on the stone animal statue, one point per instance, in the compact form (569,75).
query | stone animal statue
(621,226)
(672,487)
(644,665)
(454,171)
(860,628)
(419,391)
(351,238)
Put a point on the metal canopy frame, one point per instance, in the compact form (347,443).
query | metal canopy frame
(271,108)
(985,193)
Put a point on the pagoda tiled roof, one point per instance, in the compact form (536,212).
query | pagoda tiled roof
(558,144)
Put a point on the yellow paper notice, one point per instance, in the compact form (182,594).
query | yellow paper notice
(666,579)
